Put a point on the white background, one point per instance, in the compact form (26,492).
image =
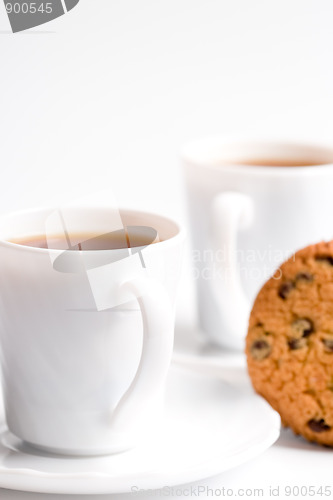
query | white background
(105,96)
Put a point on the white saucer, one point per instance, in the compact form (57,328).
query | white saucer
(211,425)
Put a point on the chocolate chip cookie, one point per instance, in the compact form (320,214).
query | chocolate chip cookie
(289,344)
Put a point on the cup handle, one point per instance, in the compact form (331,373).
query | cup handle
(231,212)
(158,335)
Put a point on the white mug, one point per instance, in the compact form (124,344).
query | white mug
(247,217)
(86,336)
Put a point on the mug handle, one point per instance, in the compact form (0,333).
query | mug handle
(158,335)
(231,212)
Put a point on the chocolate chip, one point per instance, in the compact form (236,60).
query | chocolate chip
(303,327)
(304,276)
(295,344)
(285,289)
(325,259)
(328,343)
(300,328)
(260,349)
(318,425)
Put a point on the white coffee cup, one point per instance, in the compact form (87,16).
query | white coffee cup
(248,217)
(85,356)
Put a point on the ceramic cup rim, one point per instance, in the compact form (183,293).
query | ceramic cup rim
(178,229)
(212,153)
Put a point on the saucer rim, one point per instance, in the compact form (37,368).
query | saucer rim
(34,481)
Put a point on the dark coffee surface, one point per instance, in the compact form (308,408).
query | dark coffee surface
(132,236)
